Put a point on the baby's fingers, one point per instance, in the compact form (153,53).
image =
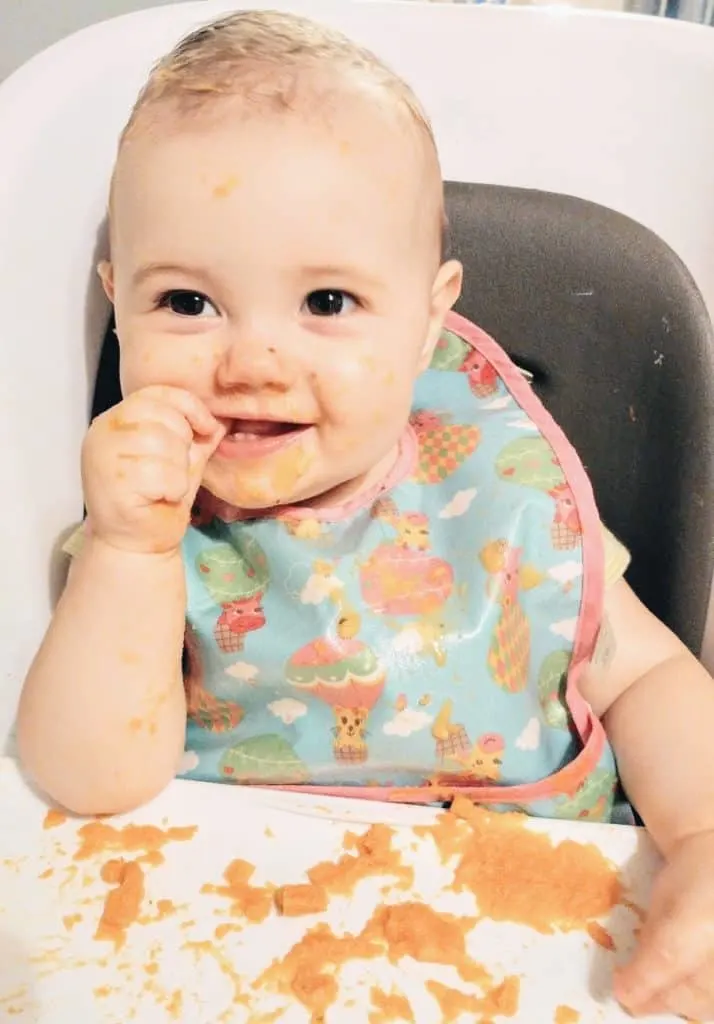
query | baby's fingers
(692,999)
(203,448)
(669,953)
(191,408)
(156,479)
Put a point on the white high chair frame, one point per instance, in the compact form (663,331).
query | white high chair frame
(613,108)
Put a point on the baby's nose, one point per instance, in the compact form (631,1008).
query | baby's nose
(253,363)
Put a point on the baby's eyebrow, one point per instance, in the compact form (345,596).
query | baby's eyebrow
(149,270)
(343,272)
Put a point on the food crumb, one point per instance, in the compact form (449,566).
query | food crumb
(103,992)
(164,909)
(389,1007)
(174,1006)
(225,929)
(298,900)
(47,873)
(601,936)
(123,903)
(250,901)
(70,920)
(566,1015)
(54,818)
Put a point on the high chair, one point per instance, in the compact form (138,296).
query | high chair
(601,310)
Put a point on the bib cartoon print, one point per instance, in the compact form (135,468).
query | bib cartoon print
(428,637)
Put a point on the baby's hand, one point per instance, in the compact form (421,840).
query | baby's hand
(142,463)
(672,970)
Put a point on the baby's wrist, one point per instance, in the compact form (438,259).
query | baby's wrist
(117,548)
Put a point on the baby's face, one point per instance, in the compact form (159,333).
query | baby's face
(285,270)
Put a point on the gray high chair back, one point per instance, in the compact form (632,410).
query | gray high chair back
(611,325)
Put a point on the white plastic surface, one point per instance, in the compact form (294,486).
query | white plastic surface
(613,108)
(55,971)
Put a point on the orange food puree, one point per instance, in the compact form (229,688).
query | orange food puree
(249,901)
(566,1015)
(415,930)
(500,1001)
(123,903)
(98,837)
(373,856)
(309,970)
(389,1007)
(519,875)
(601,935)
(53,818)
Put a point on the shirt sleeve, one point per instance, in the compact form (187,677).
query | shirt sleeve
(617,558)
(73,545)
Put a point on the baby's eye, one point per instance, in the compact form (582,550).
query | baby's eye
(329,302)
(184,302)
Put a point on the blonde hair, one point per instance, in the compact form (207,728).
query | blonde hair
(259,56)
(274,61)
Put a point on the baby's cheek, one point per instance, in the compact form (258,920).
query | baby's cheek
(359,385)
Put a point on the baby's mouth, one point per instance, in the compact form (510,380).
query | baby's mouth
(249,438)
(248,430)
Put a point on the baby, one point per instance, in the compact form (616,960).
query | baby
(330,525)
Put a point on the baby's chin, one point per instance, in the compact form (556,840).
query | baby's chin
(273,483)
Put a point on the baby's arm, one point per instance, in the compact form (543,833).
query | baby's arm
(102,714)
(657,703)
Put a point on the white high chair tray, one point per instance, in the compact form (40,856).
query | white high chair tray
(186,957)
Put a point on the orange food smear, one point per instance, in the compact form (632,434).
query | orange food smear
(47,873)
(601,936)
(502,1000)
(175,1005)
(164,908)
(123,903)
(225,929)
(250,901)
(566,1015)
(307,972)
(70,920)
(152,968)
(389,1007)
(418,931)
(373,856)
(518,875)
(53,818)
(103,992)
(297,900)
(98,837)
(206,948)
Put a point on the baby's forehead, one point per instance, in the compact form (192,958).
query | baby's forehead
(378,155)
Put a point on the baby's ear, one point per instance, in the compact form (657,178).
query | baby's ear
(444,293)
(106,276)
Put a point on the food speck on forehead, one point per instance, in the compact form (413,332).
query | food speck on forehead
(224,188)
